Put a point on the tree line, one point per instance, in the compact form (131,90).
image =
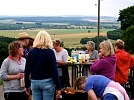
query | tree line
(4,41)
(21,26)
(126,18)
(115,34)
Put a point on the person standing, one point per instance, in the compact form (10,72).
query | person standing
(124,62)
(12,71)
(27,43)
(24,39)
(61,55)
(41,65)
(106,65)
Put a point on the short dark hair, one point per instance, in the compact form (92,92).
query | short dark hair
(13,46)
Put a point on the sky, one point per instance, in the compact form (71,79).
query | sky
(62,7)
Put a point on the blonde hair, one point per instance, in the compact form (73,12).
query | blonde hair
(108,47)
(42,40)
(119,43)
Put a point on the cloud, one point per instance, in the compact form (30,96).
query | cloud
(62,7)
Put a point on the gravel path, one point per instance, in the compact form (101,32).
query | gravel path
(1,93)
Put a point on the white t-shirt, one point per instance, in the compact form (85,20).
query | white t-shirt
(61,56)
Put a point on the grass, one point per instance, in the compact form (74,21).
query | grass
(73,31)
(73,40)
(111,25)
(55,23)
(70,37)
(15,33)
(1,82)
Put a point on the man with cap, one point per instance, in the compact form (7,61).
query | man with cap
(24,38)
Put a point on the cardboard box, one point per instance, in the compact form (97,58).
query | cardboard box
(72,94)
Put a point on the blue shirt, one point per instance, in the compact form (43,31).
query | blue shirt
(41,64)
(98,83)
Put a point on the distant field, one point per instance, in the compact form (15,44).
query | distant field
(111,25)
(70,37)
(73,40)
(14,33)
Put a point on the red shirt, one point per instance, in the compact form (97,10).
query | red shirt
(124,62)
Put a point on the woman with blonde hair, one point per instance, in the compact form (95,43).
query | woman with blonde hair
(41,65)
(106,65)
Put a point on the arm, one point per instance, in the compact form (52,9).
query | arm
(54,70)
(65,59)
(27,75)
(92,95)
(27,72)
(97,66)
(61,63)
(18,76)
(4,74)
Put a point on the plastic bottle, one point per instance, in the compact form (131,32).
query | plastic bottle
(72,54)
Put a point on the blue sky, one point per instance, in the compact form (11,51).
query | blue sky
(62,7)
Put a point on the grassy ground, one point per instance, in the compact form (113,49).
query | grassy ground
(14,33)
(73,40)
(70,37)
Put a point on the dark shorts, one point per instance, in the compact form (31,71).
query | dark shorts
(16,96)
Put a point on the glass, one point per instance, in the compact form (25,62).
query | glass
(87,57)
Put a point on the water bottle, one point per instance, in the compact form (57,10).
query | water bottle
(72,54)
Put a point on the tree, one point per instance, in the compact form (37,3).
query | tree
(126,17)
(94,39)
(128,37)
(3,51)
(115,34)
(85,40)
(6,39)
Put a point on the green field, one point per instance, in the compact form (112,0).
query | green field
(14,33)
(111,25)
(70,37)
